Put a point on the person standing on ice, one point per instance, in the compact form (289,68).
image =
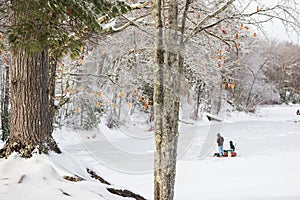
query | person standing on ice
(220,141)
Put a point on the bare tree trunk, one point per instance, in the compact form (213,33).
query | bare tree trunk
(5,105)
(158,97)
(167,75)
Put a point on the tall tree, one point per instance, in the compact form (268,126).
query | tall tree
(39,30)
(171,40)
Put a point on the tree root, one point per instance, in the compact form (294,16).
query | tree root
(119,192)
(125,193)
(97,177)
(74,178)
(26,150)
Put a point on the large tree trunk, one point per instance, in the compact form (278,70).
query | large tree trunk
(30,121)
(30,114)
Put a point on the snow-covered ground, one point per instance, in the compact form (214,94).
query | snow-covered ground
(267,166)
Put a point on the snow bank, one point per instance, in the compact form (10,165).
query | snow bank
(42,177)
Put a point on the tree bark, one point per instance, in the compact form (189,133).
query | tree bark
(51,90)
(5,105)
(158,99)
(166,100)
(30,121)
(30,115)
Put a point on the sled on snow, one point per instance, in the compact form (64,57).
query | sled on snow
(227,153)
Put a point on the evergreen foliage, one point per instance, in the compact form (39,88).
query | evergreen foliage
(62,26)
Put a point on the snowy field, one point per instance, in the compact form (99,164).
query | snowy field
(267,166)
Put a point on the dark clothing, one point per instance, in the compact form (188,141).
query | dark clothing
(220,141)
(232,147)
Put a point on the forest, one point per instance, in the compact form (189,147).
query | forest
(80,63)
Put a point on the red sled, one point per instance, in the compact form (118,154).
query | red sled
(226,154)
(230,154)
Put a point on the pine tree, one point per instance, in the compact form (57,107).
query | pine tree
(39,30)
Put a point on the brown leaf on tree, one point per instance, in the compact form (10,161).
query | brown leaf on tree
(226,85)
(134,93)
(122,94)
(242,26)
(254,35)
(232,84)
(257,9)
(224,31)
(237,35)
(228,48)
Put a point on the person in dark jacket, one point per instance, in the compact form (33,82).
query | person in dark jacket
(232,147)
(220,141)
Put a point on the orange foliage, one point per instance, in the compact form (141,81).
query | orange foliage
(232,84)
(134,93)
(242,26)
(80,61)
(99,94)
(122,94)
(147,104)
(237,35)
(228,48)
(226,86)
(77,109)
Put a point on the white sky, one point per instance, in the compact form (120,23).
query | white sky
(275,29)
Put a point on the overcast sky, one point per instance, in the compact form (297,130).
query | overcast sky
(276,30)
